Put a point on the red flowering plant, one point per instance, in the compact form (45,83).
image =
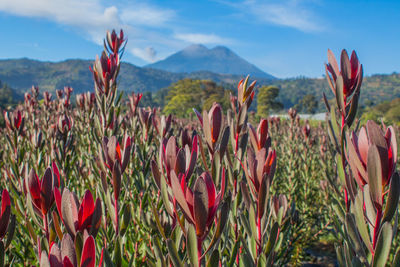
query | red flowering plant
(7,224)
(365,204)
(78,217)
(41,193)
(199,205)
(259,170)
(134,100)
(146,116)
(260,139)
(162,125)
(212,123)
(345,83)
(14,121)
(116,161)
(105,73)
(173,158)
(237,119)
(69,254)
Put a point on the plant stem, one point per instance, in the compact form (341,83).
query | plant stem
(116,216)
(377,226)
(46,227)
(199,249)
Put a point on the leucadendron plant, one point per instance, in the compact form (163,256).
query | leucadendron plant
(218,208)
(366,192)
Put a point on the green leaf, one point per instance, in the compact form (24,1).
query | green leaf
(157,219)
(107,259)
(370,211)
(200,205)
(393,198)
(334,123)
(2,253)
(353,108)
(213,261)
(173,253)
(157,251)
(224,141)
(374,168)
(78,246)
(165,196)
(191,242)
(234,253)
(339,93)
(340,169)
(357,210)
(207,128)
(117,252)
(382,248)
(223,218)
(396,261)
(273,236)
(252,221)
(339,256)
(354,236)
(10,230)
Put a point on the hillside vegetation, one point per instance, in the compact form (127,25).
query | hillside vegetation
(21,74)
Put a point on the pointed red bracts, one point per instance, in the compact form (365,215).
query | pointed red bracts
(345,84)
(260,138)
(200,204)
(14,120)
(180,160)
(212,123)
(67,255)
(134,100)
(87,217)
(350,70)
(41,191)
(112,153)
(114,42)
(5,213)
(64,124)
(359,148)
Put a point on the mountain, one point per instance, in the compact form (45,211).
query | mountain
(21,74)
(219,59)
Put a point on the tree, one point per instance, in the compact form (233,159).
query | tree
(187,94)
(266,100)
(309,103)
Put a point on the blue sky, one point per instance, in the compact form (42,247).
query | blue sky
(283,38)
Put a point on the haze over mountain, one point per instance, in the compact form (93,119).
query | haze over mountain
(219,59)
(21,74)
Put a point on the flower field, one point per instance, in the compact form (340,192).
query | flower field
(103,181)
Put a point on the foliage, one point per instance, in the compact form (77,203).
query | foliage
(187,94)
(8,96)
(307,104)
(21,74)
(366,192)
(107,182)
(266,100)
(388,112)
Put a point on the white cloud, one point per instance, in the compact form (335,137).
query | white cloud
(199,38)
(89,16)
(92,18)
(288,13)
(147,54)
(147,15)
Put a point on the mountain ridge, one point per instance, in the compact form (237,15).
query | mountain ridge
(21,74)
(218,59)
